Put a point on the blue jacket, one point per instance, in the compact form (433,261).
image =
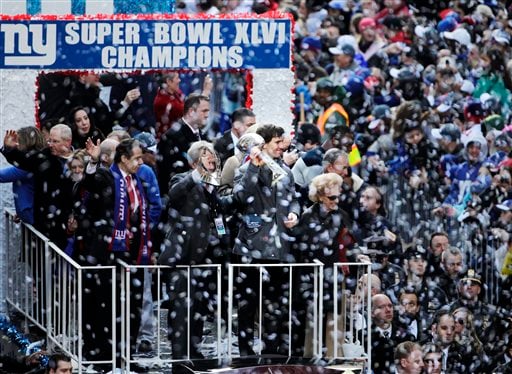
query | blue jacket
(148,177)
(23,191)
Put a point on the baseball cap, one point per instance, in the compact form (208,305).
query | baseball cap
(379,113)
(366,23)
(343,48)
(311,43)
(402,73)
(147,140)
(506,205)
(447,24)
(460,35)
(484,10)
(501,37)
(467,87)
(337,4)
(494,121)
(448,131)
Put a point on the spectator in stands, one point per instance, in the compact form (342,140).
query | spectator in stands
(408,314)
(29,139)
(386,334)
(437,245)
(372,225)
(23,364)
(82,127)
(452,265)
(465,333)
(409,358)
(241,120)
(52,187)
(175,142)
(432,358)
(59,363)
(490,322)
(430,297)
(169,103)
(443,335)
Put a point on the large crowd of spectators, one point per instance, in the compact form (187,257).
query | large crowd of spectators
(399,155)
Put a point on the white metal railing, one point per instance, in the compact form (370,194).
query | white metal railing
(42,274)
(318,292)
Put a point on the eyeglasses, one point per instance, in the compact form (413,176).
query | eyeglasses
(333,197)
(460,321)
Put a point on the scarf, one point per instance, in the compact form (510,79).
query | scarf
(121,235)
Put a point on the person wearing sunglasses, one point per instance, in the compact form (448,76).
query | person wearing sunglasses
(317,239)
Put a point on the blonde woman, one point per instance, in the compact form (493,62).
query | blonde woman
(317,239)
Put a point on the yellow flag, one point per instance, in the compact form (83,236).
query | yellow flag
(354,157)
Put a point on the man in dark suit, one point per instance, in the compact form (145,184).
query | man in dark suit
(241,120)
(173,145)
(52,187)
(116,226)
(198,236)
(386,334)
(455,358)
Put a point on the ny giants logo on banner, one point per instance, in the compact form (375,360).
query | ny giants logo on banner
(31,45)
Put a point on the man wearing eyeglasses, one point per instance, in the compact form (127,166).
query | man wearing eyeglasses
(52,187)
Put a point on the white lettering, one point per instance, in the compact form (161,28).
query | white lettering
(199,32)
(161,33)
(103,30)
(217,36)
(255,36)
(125,57)
(268,32)
(117,33)
(108,57)
(281,39)
(178,33)
(44,43)
(132,33)
(179,53)
(161,56)
(241,36)
(142,58)
(72,36)
(235,57)
(204,57)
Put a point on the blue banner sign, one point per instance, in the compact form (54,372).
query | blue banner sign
(145,44)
